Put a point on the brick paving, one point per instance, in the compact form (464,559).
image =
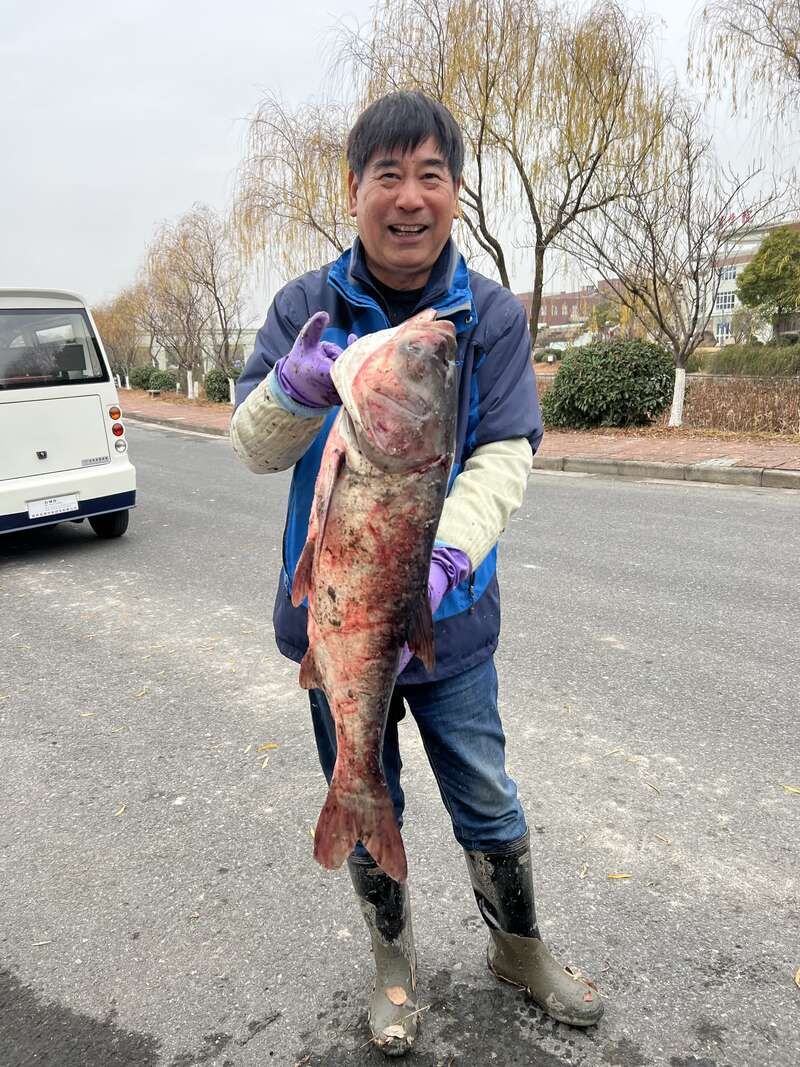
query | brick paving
(663,447)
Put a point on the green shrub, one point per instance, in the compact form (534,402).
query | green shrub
(163,379)
(216,385)
(140,377)
(538,355)
(610,383)
(760,360)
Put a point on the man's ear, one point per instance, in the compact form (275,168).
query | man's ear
(457,211)
(352,189)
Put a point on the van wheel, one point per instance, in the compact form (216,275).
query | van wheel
(112,524)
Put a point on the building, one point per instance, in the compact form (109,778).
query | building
(563,315)
(720,324)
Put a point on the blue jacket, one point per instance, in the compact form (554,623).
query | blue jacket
(497,400)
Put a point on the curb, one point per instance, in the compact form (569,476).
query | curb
(762,477)
(177,424)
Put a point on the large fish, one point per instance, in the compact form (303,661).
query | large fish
(364,568)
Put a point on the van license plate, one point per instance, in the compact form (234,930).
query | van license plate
(52,505)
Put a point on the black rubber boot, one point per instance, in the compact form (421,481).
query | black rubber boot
(503,888)
(384,903)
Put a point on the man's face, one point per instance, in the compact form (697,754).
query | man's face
(404,206)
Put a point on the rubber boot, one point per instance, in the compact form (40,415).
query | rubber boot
(384,903)
(503,888)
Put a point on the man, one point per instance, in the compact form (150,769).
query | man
(405,155)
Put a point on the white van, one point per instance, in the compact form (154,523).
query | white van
(63,452)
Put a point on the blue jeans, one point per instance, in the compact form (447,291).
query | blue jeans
(464,741)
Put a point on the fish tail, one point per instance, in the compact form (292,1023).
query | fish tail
(347,817)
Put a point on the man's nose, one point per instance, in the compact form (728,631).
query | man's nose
(409,195)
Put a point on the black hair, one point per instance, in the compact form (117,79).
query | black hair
(402,121)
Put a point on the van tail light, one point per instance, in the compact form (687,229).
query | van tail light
(114,413)
(118,429)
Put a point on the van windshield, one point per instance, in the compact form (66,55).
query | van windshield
(48,347)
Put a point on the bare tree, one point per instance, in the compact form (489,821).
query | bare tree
(659,246)
(559,108)
(119,323)
(203,251)
(178,310)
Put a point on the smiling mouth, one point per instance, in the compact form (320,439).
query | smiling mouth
(408,231)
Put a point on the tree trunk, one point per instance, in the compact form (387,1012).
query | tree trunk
(678,396)
(189,384)
(231,390)
(536,295)
(127,381)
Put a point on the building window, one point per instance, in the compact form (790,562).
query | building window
(564,310)
(554,311)
(727,274)
(725,302)
(723,331)
(574,311)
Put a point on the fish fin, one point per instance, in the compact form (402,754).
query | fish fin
(326,483)
(309,674)
(348,817)
(420,632)
(302,575)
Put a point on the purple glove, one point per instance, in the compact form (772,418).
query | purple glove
(305,374)
(449,568)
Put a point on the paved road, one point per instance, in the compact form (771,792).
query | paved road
(160,904)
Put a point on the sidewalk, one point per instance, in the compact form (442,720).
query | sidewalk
(651,454)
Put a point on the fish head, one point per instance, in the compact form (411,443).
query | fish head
(401,392)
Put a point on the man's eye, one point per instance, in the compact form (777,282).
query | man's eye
(389,175)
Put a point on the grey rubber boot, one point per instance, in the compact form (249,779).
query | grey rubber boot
(384,903)
(503,888)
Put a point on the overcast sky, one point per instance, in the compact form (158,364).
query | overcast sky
(117,116)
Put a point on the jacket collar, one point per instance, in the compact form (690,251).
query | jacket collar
(447,290)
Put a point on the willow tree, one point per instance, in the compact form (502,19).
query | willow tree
(558,108)
(660,244)
(290,202)
(750,50)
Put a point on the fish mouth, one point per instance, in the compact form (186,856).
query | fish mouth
(416,406)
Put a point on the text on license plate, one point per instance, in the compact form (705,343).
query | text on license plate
(52,505)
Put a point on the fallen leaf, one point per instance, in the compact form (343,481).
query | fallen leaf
(311,832)
(618,876)
(665,840)
(797,978)
(121,810)
(791,788)
(583,871)
(38,944)
(142,692)
(614,751)
(396,994)
(264,762)
(87,714)
(269,746)
(653,787)
(247,749)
